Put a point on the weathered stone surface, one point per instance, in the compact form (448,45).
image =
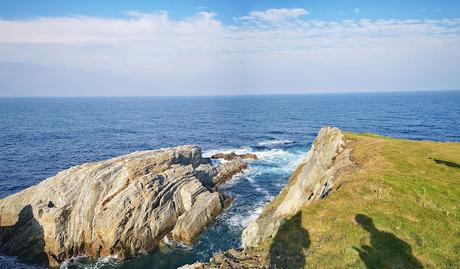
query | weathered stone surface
(230,259)
(228,169)
(232,155)
(122,206)
(312,180)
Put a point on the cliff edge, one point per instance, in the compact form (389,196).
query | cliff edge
(312,180)
(359,201)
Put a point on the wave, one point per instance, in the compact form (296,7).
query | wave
(87,263)
(273,142)
(245,217)
(241,150)
(265,177)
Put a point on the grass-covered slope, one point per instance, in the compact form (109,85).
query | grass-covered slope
(399,208)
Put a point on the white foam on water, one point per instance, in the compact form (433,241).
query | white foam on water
(242,150)
(277,162)
(104,261)
(84,262)
(242,220)
(234,180)
(273,142)
(254,215)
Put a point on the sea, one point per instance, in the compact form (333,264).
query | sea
(42,136)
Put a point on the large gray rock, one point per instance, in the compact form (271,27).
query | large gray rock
(312,180)
(122,206)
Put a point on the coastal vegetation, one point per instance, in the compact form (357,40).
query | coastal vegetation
(397,209)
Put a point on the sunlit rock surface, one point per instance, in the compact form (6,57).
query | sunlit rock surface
(312,180)
(121,207)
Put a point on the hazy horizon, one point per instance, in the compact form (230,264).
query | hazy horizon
(238,95)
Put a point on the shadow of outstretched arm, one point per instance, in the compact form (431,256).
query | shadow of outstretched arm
(385,250)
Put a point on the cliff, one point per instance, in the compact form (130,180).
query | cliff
(122,206)
(312,180)
(359,201)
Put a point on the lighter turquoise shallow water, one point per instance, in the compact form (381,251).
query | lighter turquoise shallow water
(41,136)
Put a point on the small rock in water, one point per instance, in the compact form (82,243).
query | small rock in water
(232,155)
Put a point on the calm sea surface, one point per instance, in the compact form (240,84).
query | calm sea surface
(41,136)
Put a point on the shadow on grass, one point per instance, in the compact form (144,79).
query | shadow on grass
(289,244)
(446,163)
(386,250)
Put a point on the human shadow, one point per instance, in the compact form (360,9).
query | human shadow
(24,239)
(288,246)
(386,250)
(446,163)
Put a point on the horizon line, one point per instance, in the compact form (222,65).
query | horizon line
(230,95)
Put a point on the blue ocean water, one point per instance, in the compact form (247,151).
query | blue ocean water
(41,136)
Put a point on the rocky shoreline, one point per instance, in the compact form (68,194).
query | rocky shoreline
(125,206)
(313,180)
(119,207)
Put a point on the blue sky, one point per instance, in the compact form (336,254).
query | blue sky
(228,9)
(113,47)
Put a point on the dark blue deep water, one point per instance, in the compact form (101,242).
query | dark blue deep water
(41,136)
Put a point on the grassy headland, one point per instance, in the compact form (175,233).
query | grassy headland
(398,209)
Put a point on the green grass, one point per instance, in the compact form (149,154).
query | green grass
(398,209)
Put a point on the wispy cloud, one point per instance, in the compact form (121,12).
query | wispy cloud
(274,16)
(266,51)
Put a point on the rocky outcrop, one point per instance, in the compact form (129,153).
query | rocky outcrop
(228,169)
(231,259)
(234,164)
(312,180)
(232,155)
(122,206)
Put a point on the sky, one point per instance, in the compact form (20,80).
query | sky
(230,47)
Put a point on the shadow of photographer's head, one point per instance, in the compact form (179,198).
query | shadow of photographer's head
(365,222)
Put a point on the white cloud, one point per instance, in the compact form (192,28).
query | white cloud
(275,16)
(357,10)
(267,51)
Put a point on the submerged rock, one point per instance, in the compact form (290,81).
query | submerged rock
(121,207)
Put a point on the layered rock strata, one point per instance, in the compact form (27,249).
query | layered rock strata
(312,180)
(122,206)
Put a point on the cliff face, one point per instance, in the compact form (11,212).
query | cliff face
(312,180)
(123,206)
